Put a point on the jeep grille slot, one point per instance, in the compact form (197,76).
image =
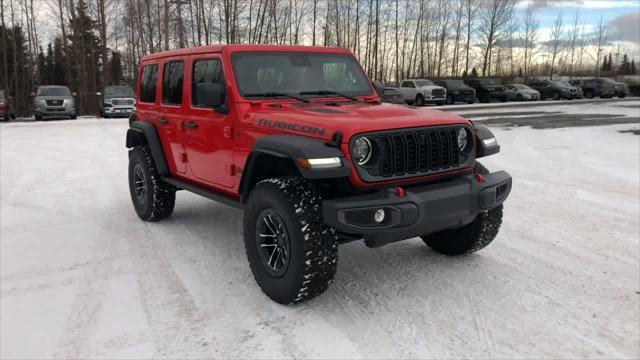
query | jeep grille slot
(415,152)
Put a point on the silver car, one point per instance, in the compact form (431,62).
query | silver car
(520,92)
(54,101)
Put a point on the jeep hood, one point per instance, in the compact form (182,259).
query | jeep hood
(322,121)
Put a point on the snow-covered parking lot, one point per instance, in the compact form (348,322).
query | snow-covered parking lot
(83,277)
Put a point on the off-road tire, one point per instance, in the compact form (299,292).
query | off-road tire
(313,247)
(419,100)
(471,237)
(160,197)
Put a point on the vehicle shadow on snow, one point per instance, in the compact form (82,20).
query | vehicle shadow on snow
(409,265)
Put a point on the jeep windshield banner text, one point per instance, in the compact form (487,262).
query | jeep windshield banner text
(298,139)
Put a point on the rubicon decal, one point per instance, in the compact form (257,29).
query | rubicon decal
(282,125)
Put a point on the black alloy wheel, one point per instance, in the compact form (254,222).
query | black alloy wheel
(272,240)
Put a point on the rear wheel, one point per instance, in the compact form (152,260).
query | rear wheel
(471,237)
(449,100)
(556,95)
(589,94)
(153,199)
(293,255)
(419,100)
(519,97)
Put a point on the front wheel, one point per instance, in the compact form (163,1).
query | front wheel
(471,237)
(419,100)
(292,253)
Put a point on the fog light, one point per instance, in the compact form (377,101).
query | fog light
(379,216)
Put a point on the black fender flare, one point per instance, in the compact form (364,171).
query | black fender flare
(144,133)
(485,148)
(294,147)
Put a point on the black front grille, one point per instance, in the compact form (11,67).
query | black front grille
(54,102)
(419,151)
(120,102)
(437,92)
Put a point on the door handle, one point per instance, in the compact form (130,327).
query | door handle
(190,125)
(164,121)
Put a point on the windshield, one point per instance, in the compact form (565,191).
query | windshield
(54,91)
(559,83)
(293,73)
(422,83)
(521,87)
(488,82)
(118,91)
(455,83)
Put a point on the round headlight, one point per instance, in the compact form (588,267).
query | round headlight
(462,139)
(361,150)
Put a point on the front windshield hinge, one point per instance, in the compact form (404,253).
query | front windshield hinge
(336,140)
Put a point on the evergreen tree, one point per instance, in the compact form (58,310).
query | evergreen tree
(625,67)
(610,63)
(520,75)
(48,66)
(633,67)
(59,73)
(41,68)
(474,73)
(115,66)
(83,55)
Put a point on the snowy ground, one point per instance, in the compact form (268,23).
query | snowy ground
(82,277)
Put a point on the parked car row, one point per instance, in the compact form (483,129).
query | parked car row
(56,101)
(420,92)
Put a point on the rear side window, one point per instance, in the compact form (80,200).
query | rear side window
(172,83)
(205,71)
(148,83)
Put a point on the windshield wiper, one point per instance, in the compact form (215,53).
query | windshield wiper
(275,94)
(328,92)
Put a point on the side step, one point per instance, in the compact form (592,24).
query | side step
(202,191)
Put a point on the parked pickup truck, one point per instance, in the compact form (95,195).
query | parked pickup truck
(420,92)
(298,139)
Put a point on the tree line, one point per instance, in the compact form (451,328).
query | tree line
(100,42)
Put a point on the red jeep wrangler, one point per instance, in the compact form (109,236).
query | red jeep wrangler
(298,138)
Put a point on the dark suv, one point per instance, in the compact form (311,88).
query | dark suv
(487,89)
(298,139)
(601,87)
(553,89)
(457,91)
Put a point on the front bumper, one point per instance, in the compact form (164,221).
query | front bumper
(435,99)
(423,210)
(124,111)
(55,111)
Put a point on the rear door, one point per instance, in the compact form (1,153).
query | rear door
(148,109)
(170,119)
(209,136)
(407,89)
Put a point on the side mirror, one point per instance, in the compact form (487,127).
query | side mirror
(74,93)
(98,93)
(377,85)
(209,95)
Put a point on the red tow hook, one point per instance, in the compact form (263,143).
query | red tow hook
(399,191)
(479,178)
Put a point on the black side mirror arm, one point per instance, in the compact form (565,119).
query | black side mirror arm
(222,109)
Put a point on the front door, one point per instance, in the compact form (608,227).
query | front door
(209,136)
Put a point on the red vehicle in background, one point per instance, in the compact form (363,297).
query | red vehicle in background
(298,138)
(5,107)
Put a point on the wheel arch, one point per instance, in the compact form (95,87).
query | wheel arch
(142,133)
(277,155)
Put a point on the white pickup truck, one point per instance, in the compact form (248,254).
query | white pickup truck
(421,91)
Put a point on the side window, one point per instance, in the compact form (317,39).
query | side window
(410,84)
(172,83)
(205,71)
(405,84)
(148,83)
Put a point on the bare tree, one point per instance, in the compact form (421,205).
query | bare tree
(573,40)
(530,35)
(495,15)
(601,40)
(556,42)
